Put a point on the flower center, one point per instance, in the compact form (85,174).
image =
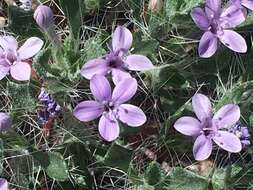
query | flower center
(10,56)
(207,127)
(115,62)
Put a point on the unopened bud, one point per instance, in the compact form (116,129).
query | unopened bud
(5,121)
(44,17)
(155,5)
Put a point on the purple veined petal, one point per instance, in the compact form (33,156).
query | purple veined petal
(200,18)
(202,148)
(121,39)
(138,63)
(248,4)
(31,47)
(4,68)
(228,141)
(8,43)
(188,126)
(88,110)
(119,75)
(202,106)
(94,66)
(108,127)
(233,41)
(20,71)
(124,90)
(207,45)
(1,52)
(131,115)
(227,116)
(4,184)
(100,88)
(232,16)
(214,5)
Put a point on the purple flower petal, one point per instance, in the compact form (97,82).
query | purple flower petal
(31,47)
(202,148)
(88,110)
(4,184)
(124,90)
(188,126)
(94,66)
(233,41)
(121,39)
(207,45)
(100,88)
(202,106)
(227,116)
(248,4)
(5,121)
(214,5)
(4,68)
(108,127)
(228,141)
(131,115)
(20,71)
(138,63)
(200,18)
(119,75)
(232,16)
(8,43)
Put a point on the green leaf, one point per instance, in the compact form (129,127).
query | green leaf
(57,168)
(21,97)
(153,173)
(73,11)
(22,23)
(180,7)
(118,156)
(219,179)
(182,179)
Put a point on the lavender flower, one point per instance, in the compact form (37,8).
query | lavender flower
(243,3)
(13,59)
(50,108)
(242,133)
(216,23)
(110,106)
(44,17)
(5,121)
(207,128)
(117,61)
(4,184)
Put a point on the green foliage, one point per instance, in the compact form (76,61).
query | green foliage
(181,179)
(22,23)
(73,11)
(22,99)
(153,173)
(57,168)
(118,156)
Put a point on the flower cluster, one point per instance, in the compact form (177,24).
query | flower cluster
(217,22)
(108,104)
(13,59)
(49,109)
(208,127)
(242,133)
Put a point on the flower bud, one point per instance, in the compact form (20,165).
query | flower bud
(44,17)
(5,121)
(155,5)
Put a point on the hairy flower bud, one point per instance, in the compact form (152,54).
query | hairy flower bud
(155,5)
(44,17)
(5,121)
